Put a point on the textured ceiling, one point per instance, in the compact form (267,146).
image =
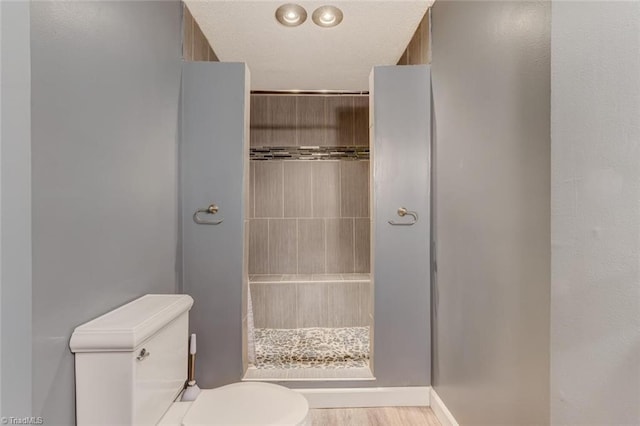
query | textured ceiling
(309,57)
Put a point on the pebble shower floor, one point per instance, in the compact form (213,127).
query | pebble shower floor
(328,348)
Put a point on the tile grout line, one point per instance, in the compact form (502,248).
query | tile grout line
(353,225)
(326,242)
(193,37)
(281,183)
(297,305)
(282,188)
(296,139)
(268,245)
(267,114)
(311,188)
(353,121)
(325,122)
(340,189)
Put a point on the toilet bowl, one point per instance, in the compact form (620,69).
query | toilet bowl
(131,367)
(247,403)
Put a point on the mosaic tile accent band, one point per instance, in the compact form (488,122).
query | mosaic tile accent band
(310,153)
(328,348)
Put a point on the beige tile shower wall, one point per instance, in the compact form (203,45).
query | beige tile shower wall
(299,304)
(289,120)
(309,217)
(195,46)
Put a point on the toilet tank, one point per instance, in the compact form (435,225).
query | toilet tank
(131,363)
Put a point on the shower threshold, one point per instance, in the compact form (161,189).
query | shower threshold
(311,354)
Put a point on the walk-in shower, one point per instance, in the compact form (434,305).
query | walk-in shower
(314,236)
(310,292)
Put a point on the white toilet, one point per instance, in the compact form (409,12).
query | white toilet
(131,366)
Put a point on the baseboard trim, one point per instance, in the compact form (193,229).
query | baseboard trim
(441,411)
(411,396)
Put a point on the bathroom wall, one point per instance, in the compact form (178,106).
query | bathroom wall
(105,97)
(309,217)
(595,232)
(491,93)
(195,46)
(15,210)
(418,51)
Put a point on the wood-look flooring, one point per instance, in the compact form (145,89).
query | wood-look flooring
(379,416)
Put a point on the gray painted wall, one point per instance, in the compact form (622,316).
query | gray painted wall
(401,145)
(105,86)
(214,155)
(15,210)
(595,310)
(491,89)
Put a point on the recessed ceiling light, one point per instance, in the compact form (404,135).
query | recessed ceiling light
(327,16)
(291,15)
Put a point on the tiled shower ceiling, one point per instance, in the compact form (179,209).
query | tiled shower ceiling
(309,57)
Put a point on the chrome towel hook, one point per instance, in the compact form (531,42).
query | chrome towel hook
(212,209)
(402,212)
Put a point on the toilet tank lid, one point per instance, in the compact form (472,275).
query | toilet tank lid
(126,327)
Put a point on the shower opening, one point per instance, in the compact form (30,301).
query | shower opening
(310,307)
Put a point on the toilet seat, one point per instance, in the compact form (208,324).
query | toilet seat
(248,403)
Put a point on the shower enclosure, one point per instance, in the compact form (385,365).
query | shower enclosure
(317,244)
(309,236)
